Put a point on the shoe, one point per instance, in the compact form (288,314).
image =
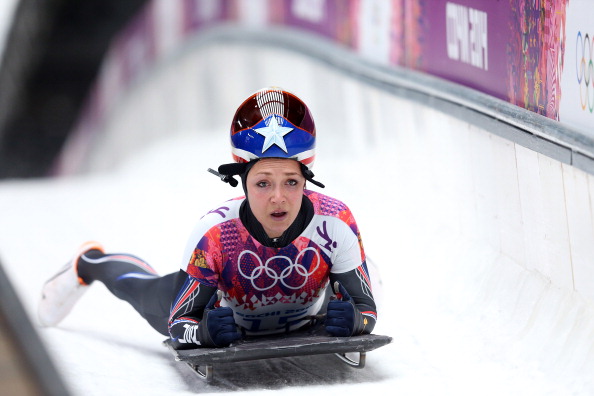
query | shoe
(62,291)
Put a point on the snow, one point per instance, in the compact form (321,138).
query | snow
(464,320)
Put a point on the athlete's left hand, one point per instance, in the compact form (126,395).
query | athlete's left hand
(343,319)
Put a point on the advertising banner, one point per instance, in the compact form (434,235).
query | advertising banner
(464,42)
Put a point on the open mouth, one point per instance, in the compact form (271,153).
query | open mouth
(278,214)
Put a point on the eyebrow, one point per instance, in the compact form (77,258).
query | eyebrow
(266,173)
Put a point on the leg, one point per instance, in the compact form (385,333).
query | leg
(133,280)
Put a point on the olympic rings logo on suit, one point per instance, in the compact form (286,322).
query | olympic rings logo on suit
(584,68)
(273,275)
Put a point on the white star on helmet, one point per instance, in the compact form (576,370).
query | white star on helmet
(273,134)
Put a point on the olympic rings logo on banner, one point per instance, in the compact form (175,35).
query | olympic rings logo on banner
(273,275)
(584,68)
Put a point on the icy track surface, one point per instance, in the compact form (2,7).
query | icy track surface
(462,318)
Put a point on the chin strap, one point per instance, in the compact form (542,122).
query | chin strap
(309,175)
(226,178)
(227,171)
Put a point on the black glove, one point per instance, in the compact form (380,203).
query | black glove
(343,319)
(217,328)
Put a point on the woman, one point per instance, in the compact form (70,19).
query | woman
(263,263)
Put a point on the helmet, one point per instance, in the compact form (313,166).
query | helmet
(273,123)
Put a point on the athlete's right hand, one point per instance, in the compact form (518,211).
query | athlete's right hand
(343,319)
(217,327)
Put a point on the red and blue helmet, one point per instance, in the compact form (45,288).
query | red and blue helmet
(273,123)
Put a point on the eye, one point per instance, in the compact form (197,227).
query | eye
(261,184)
(292,182)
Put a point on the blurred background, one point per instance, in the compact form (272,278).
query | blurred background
(52,53)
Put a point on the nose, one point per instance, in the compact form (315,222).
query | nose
(278,195)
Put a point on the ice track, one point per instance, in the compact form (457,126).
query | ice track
(464,319)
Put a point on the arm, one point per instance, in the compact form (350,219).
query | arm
(354,312)
(194,321)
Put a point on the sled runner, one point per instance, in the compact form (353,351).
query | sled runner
(202,360)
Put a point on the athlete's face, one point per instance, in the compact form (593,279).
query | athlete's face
(275,191)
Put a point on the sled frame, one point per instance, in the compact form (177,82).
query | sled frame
(202,360)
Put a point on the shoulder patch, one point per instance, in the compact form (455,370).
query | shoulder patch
(325,205)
